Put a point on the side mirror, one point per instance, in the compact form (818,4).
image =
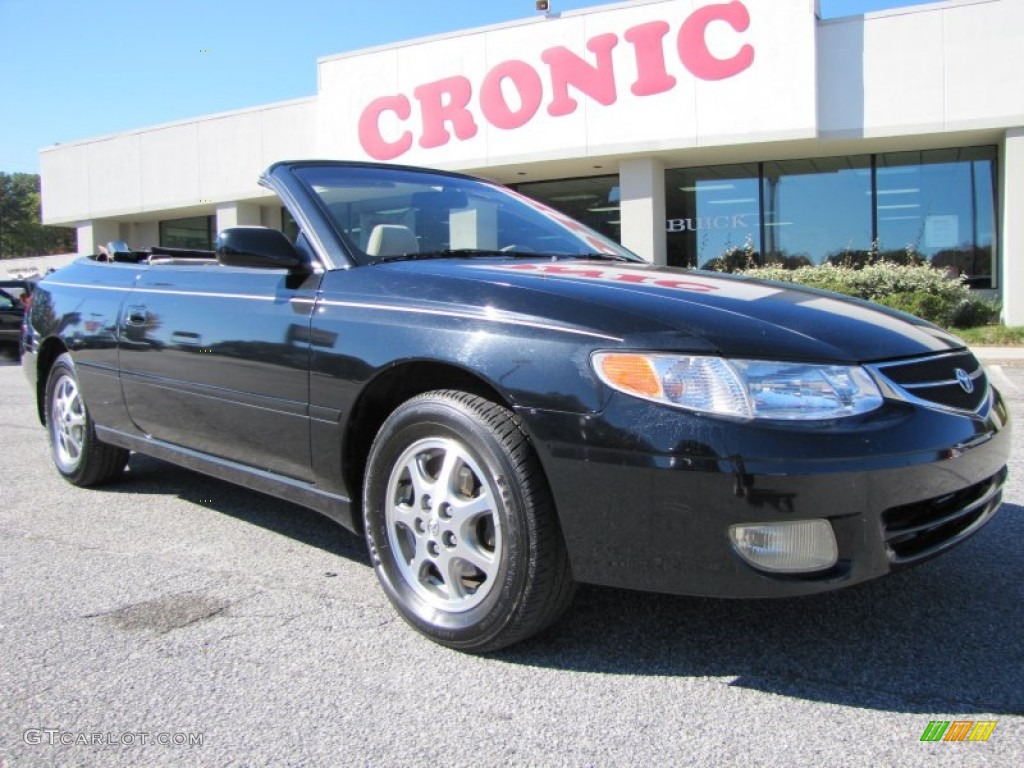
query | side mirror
(257,247)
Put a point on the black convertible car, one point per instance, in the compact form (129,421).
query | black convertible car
(506,403)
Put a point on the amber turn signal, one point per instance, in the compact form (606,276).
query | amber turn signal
(631,373)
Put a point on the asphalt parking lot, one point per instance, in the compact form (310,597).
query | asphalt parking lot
(242,630)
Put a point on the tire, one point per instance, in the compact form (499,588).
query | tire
(460,524)
(79,457)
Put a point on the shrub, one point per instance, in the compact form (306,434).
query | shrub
(928,306)
(735,259)
(919,289)
(975,312)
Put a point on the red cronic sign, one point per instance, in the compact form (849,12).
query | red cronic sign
(613,275)
(456,104)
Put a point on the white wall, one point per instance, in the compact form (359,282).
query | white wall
(211,160)
(929,69)
(143,234)
(918,71)
(1012,206)
(642,209)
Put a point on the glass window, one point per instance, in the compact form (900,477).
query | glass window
(196,232)
(593,200)
(381,212)
(713,216)
(289,225)
(939,204)
(817,210)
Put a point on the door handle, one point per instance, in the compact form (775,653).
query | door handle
(136,316)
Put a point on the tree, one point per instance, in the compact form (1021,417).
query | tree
(21,230)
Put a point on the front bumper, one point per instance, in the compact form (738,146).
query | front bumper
(646,494)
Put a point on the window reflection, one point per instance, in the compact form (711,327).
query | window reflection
(935,205)
(195,232)
(938,204)
(289,225)
(391,212)
(714,219)
(817,210)
(593,200)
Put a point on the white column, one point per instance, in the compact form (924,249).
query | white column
(475,227)
(1011,216)
(270,216)
(237,215)
(144,234)
(92,234)
(642,208)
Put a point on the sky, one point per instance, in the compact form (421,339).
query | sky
(75,69)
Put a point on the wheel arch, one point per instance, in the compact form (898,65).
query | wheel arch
(49,351)
(382,395)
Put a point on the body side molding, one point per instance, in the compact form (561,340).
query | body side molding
(337,508)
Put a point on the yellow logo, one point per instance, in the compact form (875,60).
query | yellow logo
(959,730)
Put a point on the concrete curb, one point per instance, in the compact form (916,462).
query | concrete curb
(999,355)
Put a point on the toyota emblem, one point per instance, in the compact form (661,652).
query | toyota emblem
(964,379)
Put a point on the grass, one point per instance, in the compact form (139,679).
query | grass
(995,335)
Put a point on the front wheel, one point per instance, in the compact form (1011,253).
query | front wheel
(78,455)
(460,523)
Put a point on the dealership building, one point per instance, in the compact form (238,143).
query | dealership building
(696,133)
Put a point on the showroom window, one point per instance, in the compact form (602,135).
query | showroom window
(939,204)
(936,205)
(196,232)
(817,210)
(714,216)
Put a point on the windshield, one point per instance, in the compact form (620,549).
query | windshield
(385,214)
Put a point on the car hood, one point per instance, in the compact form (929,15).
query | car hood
(681,310)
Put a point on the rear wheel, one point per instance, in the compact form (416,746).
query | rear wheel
(461,526)
(79,457)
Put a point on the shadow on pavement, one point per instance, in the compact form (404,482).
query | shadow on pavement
(149,475)
(9,357)
(945,637)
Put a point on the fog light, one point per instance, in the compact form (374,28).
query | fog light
(795,546)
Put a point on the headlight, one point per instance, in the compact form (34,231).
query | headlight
(744,389)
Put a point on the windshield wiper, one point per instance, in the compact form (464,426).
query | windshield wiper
(457,253)
(596,256)
(475,253)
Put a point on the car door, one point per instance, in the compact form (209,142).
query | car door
(10,318)
(216,359)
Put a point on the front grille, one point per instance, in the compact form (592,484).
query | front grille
(925,528)
(936,380)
